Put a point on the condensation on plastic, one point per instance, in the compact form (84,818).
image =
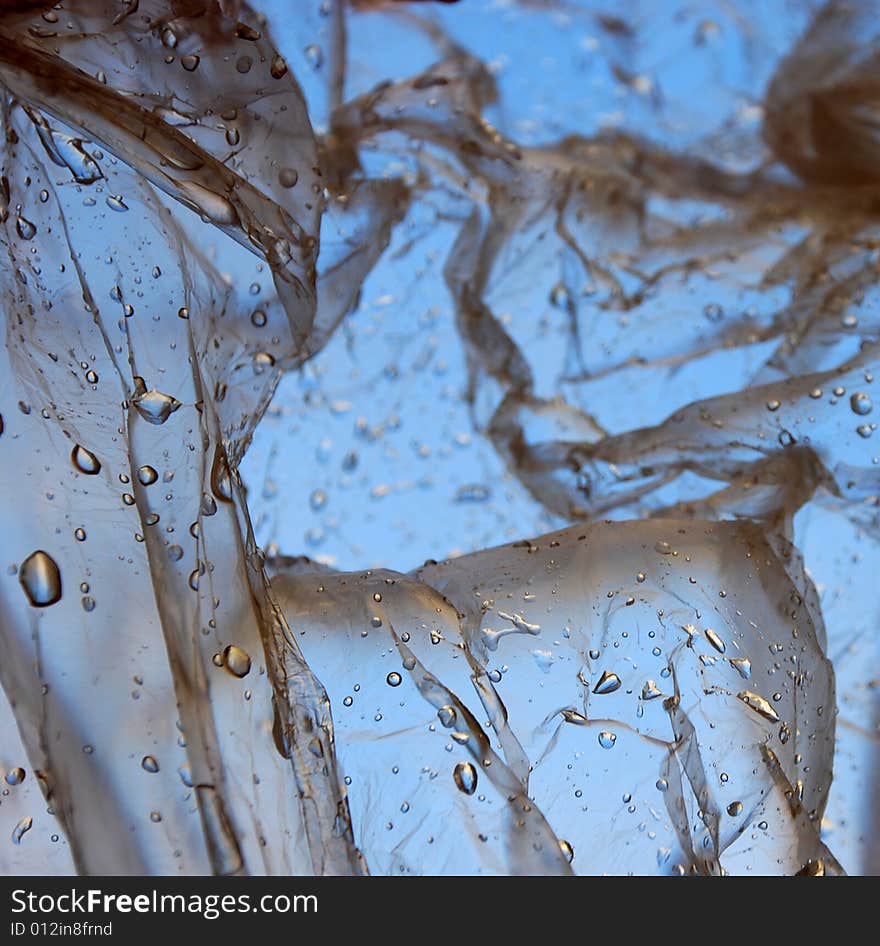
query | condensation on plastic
(653,315)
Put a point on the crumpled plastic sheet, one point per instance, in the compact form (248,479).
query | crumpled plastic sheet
(672,329)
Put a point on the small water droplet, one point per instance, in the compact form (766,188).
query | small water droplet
(607,739)
(393,679)
(149,764)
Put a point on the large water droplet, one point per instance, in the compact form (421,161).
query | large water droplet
(742,665)
(861,404)
(608,683)
(447,716)
(147,475)
(85,461)
(25,229)
(154,406)
(288,177)
(465,776)
(237,661)
(21,829)
(41,579)
(757,703)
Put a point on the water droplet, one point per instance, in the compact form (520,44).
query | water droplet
(715,640)
(567,850)
(15,776)
(608,683)
(742,665)
(154,406)
(447,716)
(115,202)
(190,62)
(21,829)
(650,691)
(147,475)
(314,55)
(149,764)
(861,404)
(607,739)
(757,703)
(735,808)
(288,177)
(212,206)
(465,776)
(25,229)
(236,661)
(243,31)
(41,579)
(278,69)
(85,461)
(393,679)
